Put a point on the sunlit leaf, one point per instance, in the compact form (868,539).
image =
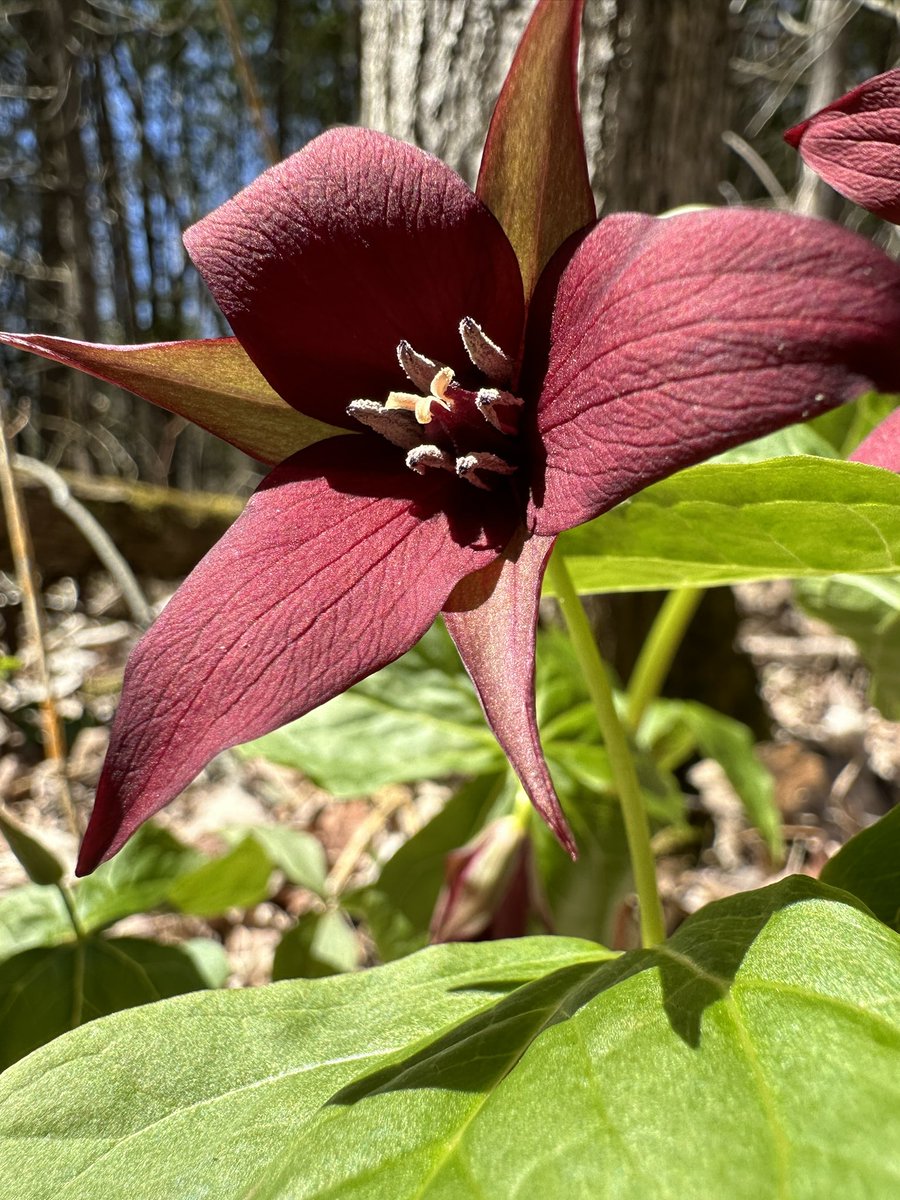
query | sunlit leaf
(756,1054)
(728,523)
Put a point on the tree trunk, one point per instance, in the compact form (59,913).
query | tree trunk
(655,89)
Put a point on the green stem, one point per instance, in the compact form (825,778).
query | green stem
(621,762)
(658,651)
(72,911)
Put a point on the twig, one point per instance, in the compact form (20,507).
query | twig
(759,167)
(54,741)
(385,806)
(247,81)
(94,533)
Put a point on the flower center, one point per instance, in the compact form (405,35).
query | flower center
(444,426)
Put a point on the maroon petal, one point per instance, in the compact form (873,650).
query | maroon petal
(337,566)
(492,617)
(330,259)
(854,144)
(882,447)
(674,339)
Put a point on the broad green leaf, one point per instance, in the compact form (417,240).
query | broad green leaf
(238,879)
(868,867)
(418,718)
(47,991)
(399,905)
(138,879)
(757,1053)
(36,860)
(213,383)
(203,1091)
(728,523)
(534,174)
(866,609)
(33,915)
(320,944)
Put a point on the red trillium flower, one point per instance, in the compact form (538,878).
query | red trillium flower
(854,144)
(474,417)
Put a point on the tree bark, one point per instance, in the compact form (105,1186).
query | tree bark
(655,90)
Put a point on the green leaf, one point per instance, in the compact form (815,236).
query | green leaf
(238,879)
(757,1053)
(418,718)
(320,944)
(534,175)
(45,992)
(398,906)
(731,744)
(137,880)
(793,440)
(716,524)
(868,611)
(845,427)
(299,856)
(868,867)
(213,383)
(33,915)
(36,860)
(210,959)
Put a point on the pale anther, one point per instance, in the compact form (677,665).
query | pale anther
(418,369)
(488,399)
(468,465)
(395,426)
(485,354)
(420,458)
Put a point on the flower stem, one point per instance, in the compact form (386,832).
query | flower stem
(658,651)
(637,827)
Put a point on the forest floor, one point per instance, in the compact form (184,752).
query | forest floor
(835,760)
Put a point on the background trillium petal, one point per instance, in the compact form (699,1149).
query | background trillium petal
(336,567)
(492,618)
(882,447)
(674,339)
(854,144)
(212,382)
(331,258)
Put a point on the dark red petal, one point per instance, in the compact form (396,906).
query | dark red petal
(212,382)
(534,173)
(854,144)
(882,447)
(674,339)
(492,617)
(337,566)
(331,258)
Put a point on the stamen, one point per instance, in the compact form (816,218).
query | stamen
(395,426)
(420,458)
(481,460)
(418,369)
(485,354)
(487,402)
